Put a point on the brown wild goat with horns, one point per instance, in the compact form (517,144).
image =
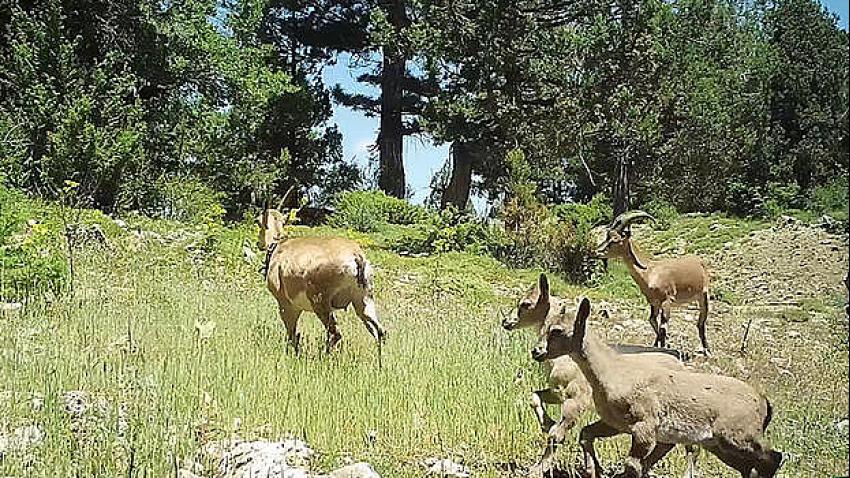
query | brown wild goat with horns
(315,274)
(663,282)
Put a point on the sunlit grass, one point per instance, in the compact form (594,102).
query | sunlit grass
(449,381)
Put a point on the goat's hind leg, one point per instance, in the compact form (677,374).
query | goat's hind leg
(326,315)
(703,316)
(365,309)
(289,316)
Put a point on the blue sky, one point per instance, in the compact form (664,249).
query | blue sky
(421,157)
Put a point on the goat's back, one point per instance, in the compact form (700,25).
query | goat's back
(332,262)
(702,405)
(688,273)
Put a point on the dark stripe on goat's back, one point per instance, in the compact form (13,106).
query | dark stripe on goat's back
(642,349)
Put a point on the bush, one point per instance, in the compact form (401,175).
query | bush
(663,212)
(743,200)
(176,198)
(449,230)
(832,199)
(31,255)
(557,239)
(368,211)
(585,216)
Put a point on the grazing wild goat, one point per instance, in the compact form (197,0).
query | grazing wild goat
(568,387)
(316,274)
(663,282)
(661,407)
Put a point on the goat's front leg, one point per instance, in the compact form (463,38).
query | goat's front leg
(659,452)
(538,399)
(600,429)
(703,316)
(693,452)
(653,321)
(643,442)
(662,328)
(570,411)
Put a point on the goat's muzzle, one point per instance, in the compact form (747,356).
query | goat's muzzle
(539,353)
(508,322)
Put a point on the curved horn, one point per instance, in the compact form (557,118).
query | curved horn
(627,218)
(285,197)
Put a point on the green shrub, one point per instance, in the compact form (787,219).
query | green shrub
(743,200)
(663,212)
(557,239)
(832,199)
(449,230)
(31,255)
(367,211)
(585,216)
(176,198)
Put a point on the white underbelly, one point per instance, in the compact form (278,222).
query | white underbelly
(671,430)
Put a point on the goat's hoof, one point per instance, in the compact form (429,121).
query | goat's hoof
(586,473)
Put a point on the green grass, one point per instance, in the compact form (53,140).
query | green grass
(698,234)
(450,382)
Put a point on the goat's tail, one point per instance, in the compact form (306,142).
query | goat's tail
(362,275)
(768,416)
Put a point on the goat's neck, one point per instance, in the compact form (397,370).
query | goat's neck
(597,362)
(638,273)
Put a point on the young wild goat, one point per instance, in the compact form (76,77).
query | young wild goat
(568,387)
(663,282)
(317,274)
(661,407)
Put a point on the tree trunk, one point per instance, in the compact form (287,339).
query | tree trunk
(457,191)
(391,168)
(621,186)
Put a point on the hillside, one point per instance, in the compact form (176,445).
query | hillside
(168,347)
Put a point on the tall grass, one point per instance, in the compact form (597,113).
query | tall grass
(449,381)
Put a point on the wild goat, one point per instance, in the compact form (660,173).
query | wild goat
(568,387)
(661,407)
(663,282)
(317,274)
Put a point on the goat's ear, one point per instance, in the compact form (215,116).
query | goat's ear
(543,286)
(580,326)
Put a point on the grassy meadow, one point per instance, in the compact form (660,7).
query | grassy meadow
(183,348)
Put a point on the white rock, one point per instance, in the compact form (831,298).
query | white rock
(120,223)
(355,470)
(22,438)
(264,459)
(10,307)
(842,426)
(445,467)
(248,252)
